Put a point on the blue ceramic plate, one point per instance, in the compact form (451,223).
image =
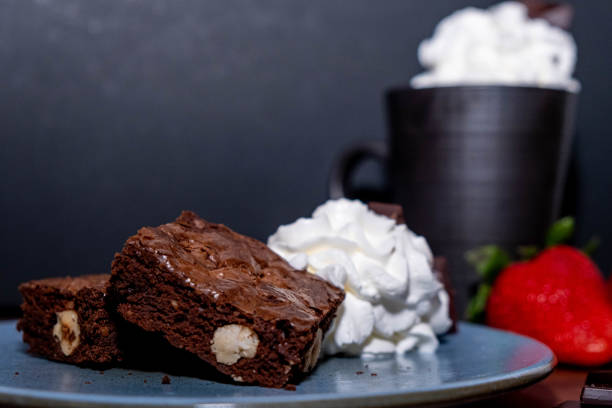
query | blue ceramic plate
(475,362)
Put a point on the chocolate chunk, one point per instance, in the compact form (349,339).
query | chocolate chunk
(393,211)
(557,14)
(597,388)
(225,298)
(165,380)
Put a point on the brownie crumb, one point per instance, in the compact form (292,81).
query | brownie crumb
(16,372)
(130,373)
(290,387)
(359,372)
(102,372)
(145,381)
(87,382)
(166,380)
(373,374)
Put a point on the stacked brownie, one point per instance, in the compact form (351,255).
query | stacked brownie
(223,297)
(66,319)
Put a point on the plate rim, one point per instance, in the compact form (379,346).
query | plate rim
(458,391)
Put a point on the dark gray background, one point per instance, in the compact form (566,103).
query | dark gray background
(117,114)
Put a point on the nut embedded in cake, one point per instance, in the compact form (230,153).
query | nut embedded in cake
(224,297)
(66,319)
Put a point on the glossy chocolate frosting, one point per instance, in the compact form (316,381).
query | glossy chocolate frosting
(232,268)
(71,284)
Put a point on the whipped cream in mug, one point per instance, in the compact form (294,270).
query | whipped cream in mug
(497,46)
(393,303)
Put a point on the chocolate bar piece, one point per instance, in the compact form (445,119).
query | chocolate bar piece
(224,297)
(396,212)
(65,319)
(597,388)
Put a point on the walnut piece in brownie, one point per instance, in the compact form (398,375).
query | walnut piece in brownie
(224,297)
(65,319)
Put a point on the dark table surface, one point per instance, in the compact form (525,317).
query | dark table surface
(564,384)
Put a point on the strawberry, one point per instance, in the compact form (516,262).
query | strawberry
(559,297)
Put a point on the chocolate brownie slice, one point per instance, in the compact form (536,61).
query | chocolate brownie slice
(224,297)
(65,319)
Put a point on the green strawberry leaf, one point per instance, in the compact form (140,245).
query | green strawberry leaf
(489,261)
(475,311)
(527,252)
(561,231)
(591,246)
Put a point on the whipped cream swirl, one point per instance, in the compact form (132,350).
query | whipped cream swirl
(393,303)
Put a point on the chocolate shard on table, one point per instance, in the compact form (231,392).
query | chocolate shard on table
(440,266)
(597,390)
(66,319)
(224,297)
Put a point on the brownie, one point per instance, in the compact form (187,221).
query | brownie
(224,297)
(65,319)
(440,266)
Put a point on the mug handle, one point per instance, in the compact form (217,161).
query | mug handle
(346,163)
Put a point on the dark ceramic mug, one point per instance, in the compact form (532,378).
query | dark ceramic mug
(471,165)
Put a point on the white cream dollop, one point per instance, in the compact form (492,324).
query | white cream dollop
(393,303)
(497,46)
